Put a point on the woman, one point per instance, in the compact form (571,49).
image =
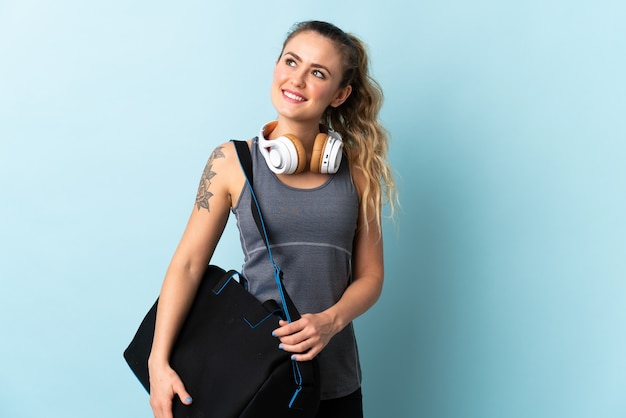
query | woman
(325,227)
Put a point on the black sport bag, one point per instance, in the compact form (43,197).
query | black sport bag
(225,353)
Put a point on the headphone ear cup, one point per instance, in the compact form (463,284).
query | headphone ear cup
(283,155)
(327,152)
(300,157)
(318,151)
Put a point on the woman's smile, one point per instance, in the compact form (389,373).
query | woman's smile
(292,96)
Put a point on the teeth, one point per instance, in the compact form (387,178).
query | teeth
(293,96)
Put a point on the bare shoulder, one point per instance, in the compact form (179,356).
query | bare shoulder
(222,177)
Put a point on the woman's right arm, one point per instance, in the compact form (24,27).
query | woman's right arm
(222,175)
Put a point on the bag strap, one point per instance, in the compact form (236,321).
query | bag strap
(290,311)
(243,152)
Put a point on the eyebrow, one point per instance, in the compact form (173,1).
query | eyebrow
(297,58)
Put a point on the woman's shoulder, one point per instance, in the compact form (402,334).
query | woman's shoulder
(225,156)
(224,170)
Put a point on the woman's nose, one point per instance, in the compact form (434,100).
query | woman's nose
(298,79)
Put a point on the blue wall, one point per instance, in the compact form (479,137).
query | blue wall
(505,271)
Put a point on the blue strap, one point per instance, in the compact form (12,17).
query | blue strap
(243,152)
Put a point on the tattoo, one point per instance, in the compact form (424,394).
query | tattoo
(203,196)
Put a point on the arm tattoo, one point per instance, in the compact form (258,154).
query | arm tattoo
(203,196)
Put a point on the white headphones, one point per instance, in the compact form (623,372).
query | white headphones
(286,154)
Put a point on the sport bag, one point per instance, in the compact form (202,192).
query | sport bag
(225,353)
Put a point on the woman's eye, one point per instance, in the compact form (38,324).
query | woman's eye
(318,74)
(290,62)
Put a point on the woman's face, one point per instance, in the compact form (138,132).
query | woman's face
(306,78)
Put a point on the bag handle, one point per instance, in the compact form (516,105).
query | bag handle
(243,152)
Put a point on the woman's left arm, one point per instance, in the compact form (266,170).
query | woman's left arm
(310,334)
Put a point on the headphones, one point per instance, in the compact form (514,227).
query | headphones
(286,154)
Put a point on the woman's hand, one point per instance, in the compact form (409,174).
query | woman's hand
(164,385)
(307,336)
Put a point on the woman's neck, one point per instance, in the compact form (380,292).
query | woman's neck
(305,132)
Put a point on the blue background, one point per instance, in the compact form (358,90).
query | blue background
(505,273)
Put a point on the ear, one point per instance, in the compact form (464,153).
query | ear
(341,96)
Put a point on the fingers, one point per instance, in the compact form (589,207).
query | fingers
(183,395)
(163,388)
(308,356)
(161,407)
(287,328)
(305,337)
